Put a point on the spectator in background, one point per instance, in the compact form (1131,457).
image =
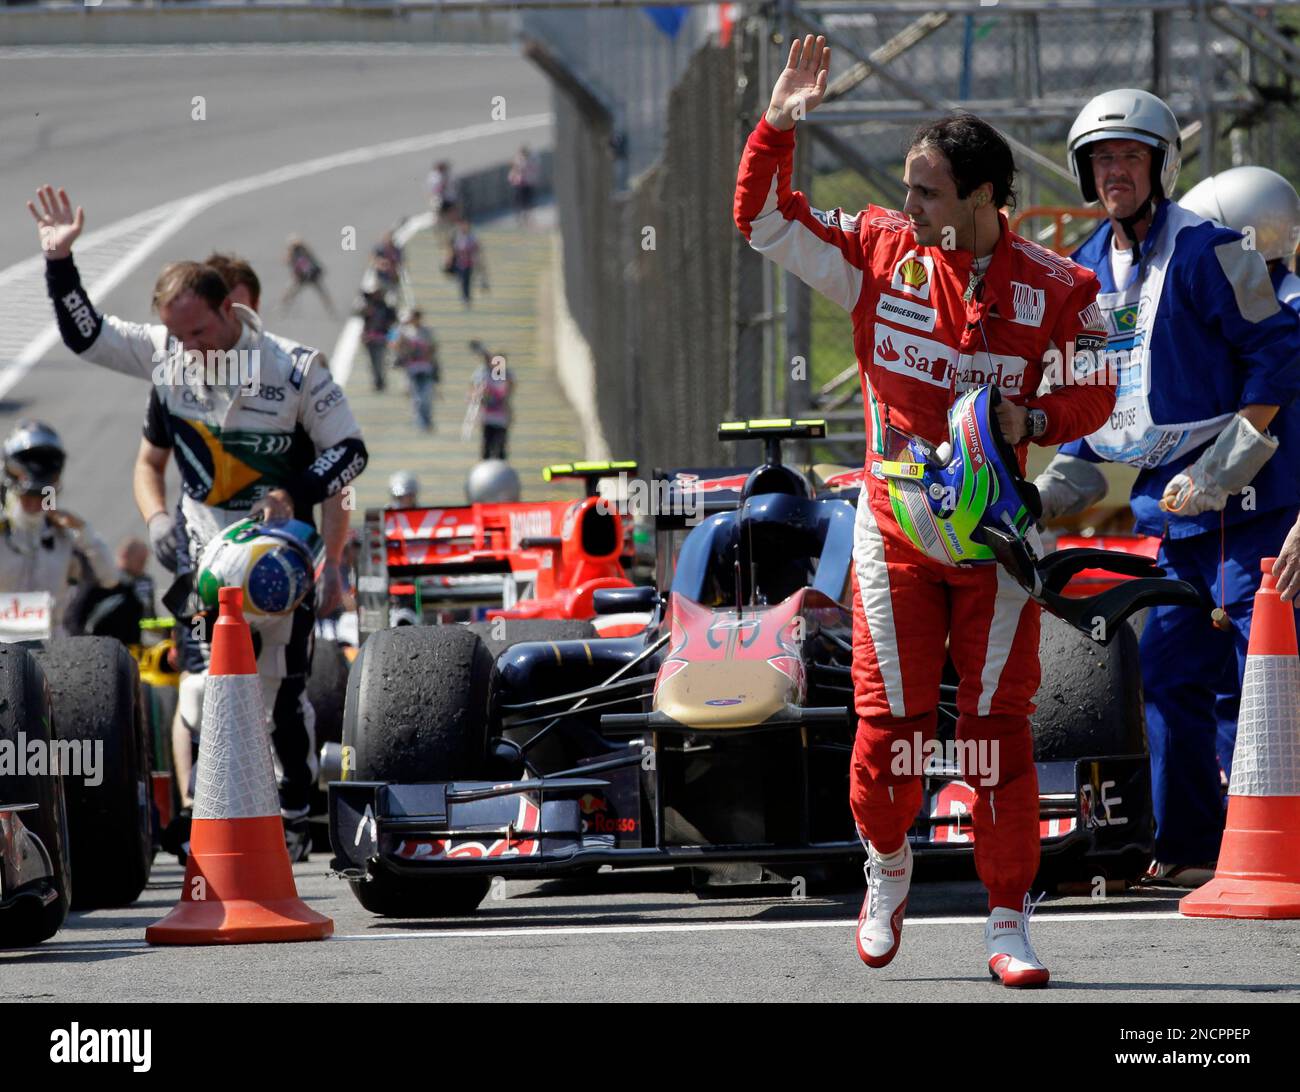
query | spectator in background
(524,171)
(304,271)
(490,390)
(416,351)
(442,192)
(377,319)
(385,271)
(464,258)
(117,610)
(241,282)
(384,276)
(388,250)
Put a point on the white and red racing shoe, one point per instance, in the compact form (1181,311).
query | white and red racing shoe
(880,925)
(1012,959)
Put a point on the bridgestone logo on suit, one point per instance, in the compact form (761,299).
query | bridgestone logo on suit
(905,312)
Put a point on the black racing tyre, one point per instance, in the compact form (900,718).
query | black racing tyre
(25,709)
(96,698)
(1089,703)
(327,686)
(416,710)
(500,635)
(393,896)
(159,704)
(1090,699)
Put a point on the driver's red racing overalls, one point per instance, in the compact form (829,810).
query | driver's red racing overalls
(919,344)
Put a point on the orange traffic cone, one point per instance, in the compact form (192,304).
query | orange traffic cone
(1258,875)
(238,883)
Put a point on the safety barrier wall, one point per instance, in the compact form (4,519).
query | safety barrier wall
(487,192)
(645,159)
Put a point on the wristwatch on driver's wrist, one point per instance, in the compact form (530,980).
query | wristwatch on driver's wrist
(1036,423)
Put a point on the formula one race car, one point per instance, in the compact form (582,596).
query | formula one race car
(718,738)
(74,782)
(520,560)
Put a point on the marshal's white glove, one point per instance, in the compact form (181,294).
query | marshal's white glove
(1226,467)
(1069,485)
(162,537)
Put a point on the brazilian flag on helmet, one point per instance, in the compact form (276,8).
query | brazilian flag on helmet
(273,562)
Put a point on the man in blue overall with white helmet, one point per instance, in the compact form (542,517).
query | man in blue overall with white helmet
(1265,208)
(1208,366)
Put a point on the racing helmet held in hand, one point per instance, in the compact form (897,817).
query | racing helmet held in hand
(34,458)
(943,496)
(493,481)
(1126,113)
(274,562)
(1252,199)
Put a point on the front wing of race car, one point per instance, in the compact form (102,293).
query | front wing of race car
(604,813)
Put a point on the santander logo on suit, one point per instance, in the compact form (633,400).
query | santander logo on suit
(933,362)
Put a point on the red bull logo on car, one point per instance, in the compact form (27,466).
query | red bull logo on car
(529,821)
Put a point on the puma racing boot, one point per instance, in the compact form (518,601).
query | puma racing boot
(1011,957)
(880,925)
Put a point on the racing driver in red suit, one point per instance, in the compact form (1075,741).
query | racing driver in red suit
(944,297)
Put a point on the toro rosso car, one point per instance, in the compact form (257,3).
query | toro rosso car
(521,560)
(718,737)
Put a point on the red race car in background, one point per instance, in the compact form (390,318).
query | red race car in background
(481,562)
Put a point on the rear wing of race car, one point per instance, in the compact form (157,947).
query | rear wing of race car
(460,560)
(457,556)
(772,430)
(590,473)
(694,493)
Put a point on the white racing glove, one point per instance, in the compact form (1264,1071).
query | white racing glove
(1227,466)
(162,537)
(1069,485)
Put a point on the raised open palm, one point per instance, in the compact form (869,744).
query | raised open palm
(57,224)
(802,84)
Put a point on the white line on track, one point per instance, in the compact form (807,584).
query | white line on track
(126,243)
(344,350)
(663,927)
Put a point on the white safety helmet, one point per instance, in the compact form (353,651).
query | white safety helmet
(404,484)
(1251,198)
(1126,114)
(492,481)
